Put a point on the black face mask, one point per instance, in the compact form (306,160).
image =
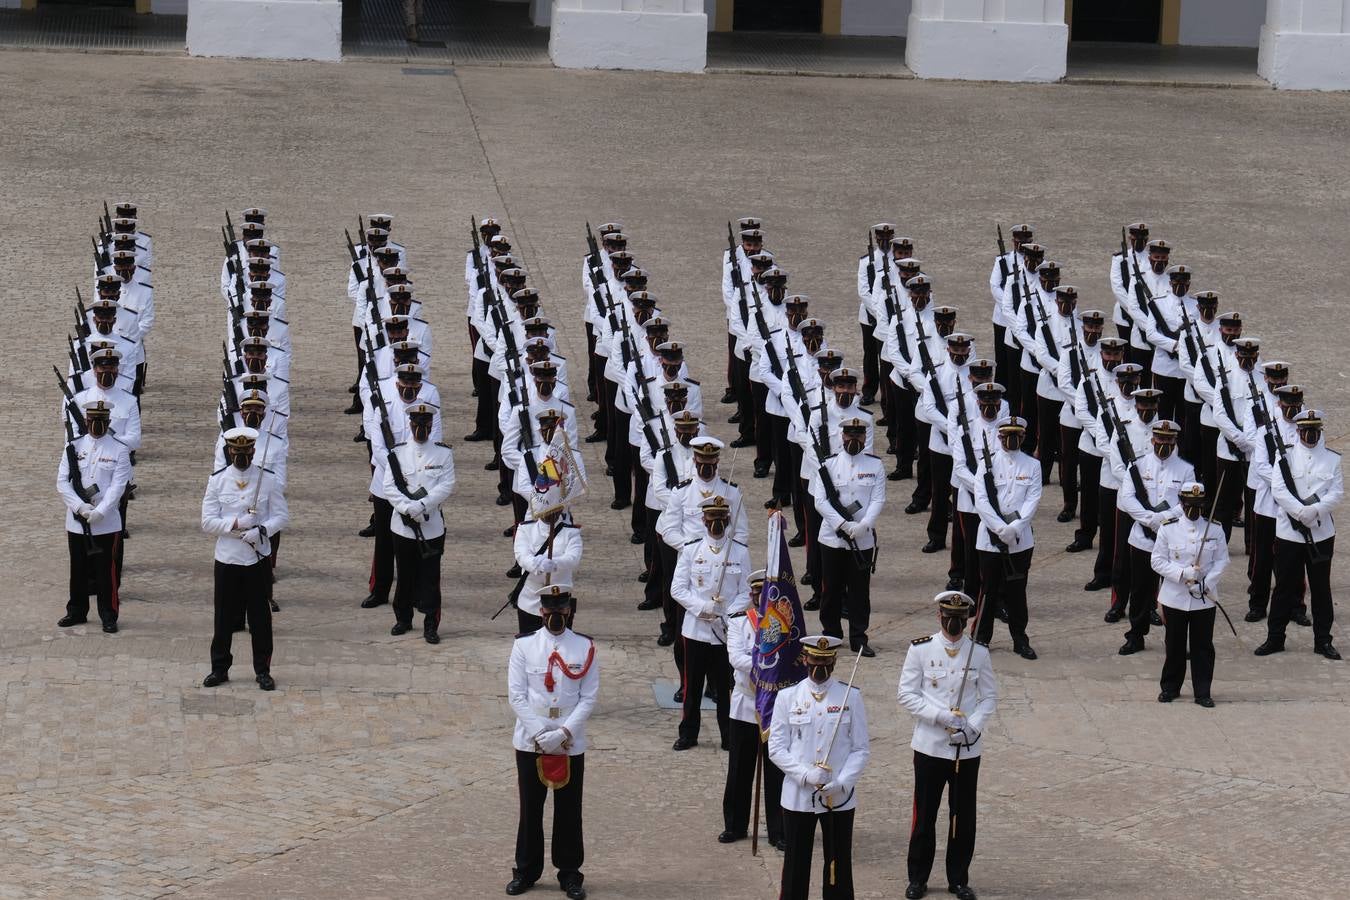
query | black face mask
(106,378)
(706,471)
(421,429)
(255,364)
(544,388)
(97,427)
(1163,451)
(844,399)
(717,528)
(408,392)
(104,326)
(547,430)
(819,673)
(953,626)
(684,437)
(555,620)
(252,419)
(241,459)
(988,411)
(1011,442)
(853,444)
(1192,510)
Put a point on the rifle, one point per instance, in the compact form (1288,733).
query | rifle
(893,309)
(76,372)
(822,435)
(373,304)
(102,259)
(1077,357)
(967,448)
(1003,272)
(76,478)
(596,265)
(72,410)
(1279,454)
(1125,268)
(482,280)
(81,316)
(391,457)
(1195,347)
(845,512)
(1010,572)
(926,363)
(107,219)
(796,384)
(871,261)
(1131,461)
(766,336)
(737,281)
(1146,302)
(356,263)
(229,229)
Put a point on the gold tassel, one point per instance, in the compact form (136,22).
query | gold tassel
(831,873)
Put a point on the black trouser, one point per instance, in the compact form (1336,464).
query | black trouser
(705,661)
(1031,412)
(360,358)
(940,481)
(1009,593)
(382,560)
(836,844)
(871,358)
(1188,631)
(1143,591)
(845,580)
(801,492)
(813,566)
(120,546)
(1068,464)
(740,790)
(419,581)
(1143,359)
(890,406)
(592,363)
(1012,382)
(745,401)
(1090,490)
(784,475)
(568,849)
(621,453)
(1121,525)
(239,590)
(971,582)
(527,623)
(658,578)
(1207,466)
(485,412)
(1173,393)
(1228,501)
(98,571)
(610,393)
(923,471)
(673,613)
(956,559)
(1000,355)
(637,517)
(1048,437)
(1292,562)
(1260,531)
(763,429)
(932,775)
(1192,439)
(907,427)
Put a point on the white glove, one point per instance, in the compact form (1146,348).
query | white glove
(552,740)
(1008,533)
(416,509)
(964,736)
(949,719)
(1307,515)
(84,510)
(808,778)
(1190,573)
(94,515)
(545,566)
(252,537)
(856,529)
(245,521)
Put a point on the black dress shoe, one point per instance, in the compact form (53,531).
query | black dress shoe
(368,531)
(509,531)
(650,603)
(683,743)
(1326,650)
(637,538)
(517,886)
(1131,645)
(812,604)
(515,571)
(215,678)
(894,476)
(644,576)
(1253,615)
(265,682)
(594,437)
(1001,613)
(491,466)
(353,389)
(1078,545)
(574,891)
(867,400)
(431,637)
(359,437)
(590,398)
(734,419)
(1025,651)
(1301,618)
(1206,702)
(867,651)
(771,503)
(678,696)
(355,407)
(954,584)
(915,890)
(665,640)
(1155,619)
(962,891)
(1098,583)
(620,504)
(762,470)
(807,579)
(1269,647)
(779,844)
(915,507)
(744,442)
(728,396)
(609,470)
(68,621)
(400,628)
(934,546)
(1066,515)
(373,601)
(904,473)
(797,540)
(1114,614)
(474,436)
(110,628)
(729,837)
(1166,696)
(882,423)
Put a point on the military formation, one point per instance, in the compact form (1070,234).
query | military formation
(1161,440)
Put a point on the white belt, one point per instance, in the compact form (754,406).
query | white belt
(553,712)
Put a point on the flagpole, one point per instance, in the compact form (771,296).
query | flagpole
(759,774)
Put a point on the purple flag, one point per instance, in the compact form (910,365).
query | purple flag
(778,626)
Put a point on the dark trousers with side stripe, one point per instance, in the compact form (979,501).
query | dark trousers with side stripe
(705,662)
(1144,584)
(871,359)
(1188,632)
(1294,564)
(940,479)
(241,590)
(419,581)
(382,562)
(1090,479)
(836,845)
(739,793)
(1120,526)
(97,571)
(568,848)
(933,775)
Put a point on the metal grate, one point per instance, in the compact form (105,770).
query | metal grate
(466,32)
(807,54)
(78,27)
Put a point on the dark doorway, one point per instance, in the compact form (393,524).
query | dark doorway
(777,15)
(1135,22)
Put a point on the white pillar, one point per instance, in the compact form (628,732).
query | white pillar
(265,29)
(659,35)
(541,11)
(1305,45)
(988,40)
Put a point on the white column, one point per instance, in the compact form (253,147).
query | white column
(659,35)
(1305,45)
(541,11)
(988,40)
(265,29)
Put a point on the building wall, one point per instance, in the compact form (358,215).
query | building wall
(1221,23)
(875,17)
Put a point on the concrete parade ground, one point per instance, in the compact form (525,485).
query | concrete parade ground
(382,766)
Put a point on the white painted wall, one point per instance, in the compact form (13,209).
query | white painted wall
(975,40)
(266,29)
(1221,23)
(541,12)
(652,35)
(1305,45)
(875,17)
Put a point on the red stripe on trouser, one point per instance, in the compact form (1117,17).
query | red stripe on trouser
(914,816)
(112,570)
(1115,545)
(684,674)
(958,523)
(372,573)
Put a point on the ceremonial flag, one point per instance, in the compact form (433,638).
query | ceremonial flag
(778,626)
(560,478)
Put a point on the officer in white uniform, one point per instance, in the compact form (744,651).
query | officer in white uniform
(1189,556)
(548,550)
(91,478)
(417,524)
(818,738)
(552,682)
(947,684)
(711,581)
(243,505)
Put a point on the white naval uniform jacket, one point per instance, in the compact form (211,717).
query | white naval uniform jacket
(1178,546)
(430,466)
(799,734)
(741,655)
(980,430)
(105,465)
(531,535)
(1162,478)
(1317,473)
(929,683)
(543,695)
(1017,479)
(695,586)
(125,420)
(682,519)
(858,479)
(229,494)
